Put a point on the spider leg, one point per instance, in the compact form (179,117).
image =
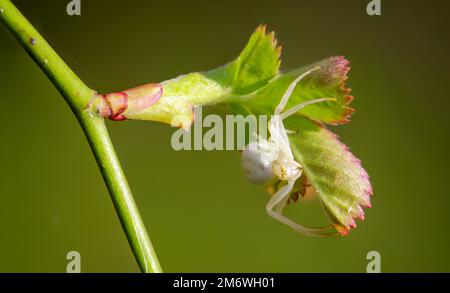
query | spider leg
(278,135)
(280,206)
(291,88)
(276,213)
(276,127)
(289,131)
(300,106)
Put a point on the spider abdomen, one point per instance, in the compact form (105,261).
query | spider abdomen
(256,167)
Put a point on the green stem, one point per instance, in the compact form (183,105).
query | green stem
(78,96)
(95,129)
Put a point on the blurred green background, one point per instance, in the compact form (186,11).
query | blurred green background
(201,213)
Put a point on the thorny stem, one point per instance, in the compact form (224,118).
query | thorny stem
(78,95)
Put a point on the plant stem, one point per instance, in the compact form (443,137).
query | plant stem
(95,129)
(78,96)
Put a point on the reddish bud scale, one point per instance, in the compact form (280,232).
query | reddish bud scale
(116,103)
(119,106)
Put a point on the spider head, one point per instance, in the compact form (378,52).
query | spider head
(287,169)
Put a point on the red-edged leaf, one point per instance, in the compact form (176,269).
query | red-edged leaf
(337,175)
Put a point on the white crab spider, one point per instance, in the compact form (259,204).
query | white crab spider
(264,160)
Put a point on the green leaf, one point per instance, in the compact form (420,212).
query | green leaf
(252,81)
(327,82)
(336,174)
(257,64)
